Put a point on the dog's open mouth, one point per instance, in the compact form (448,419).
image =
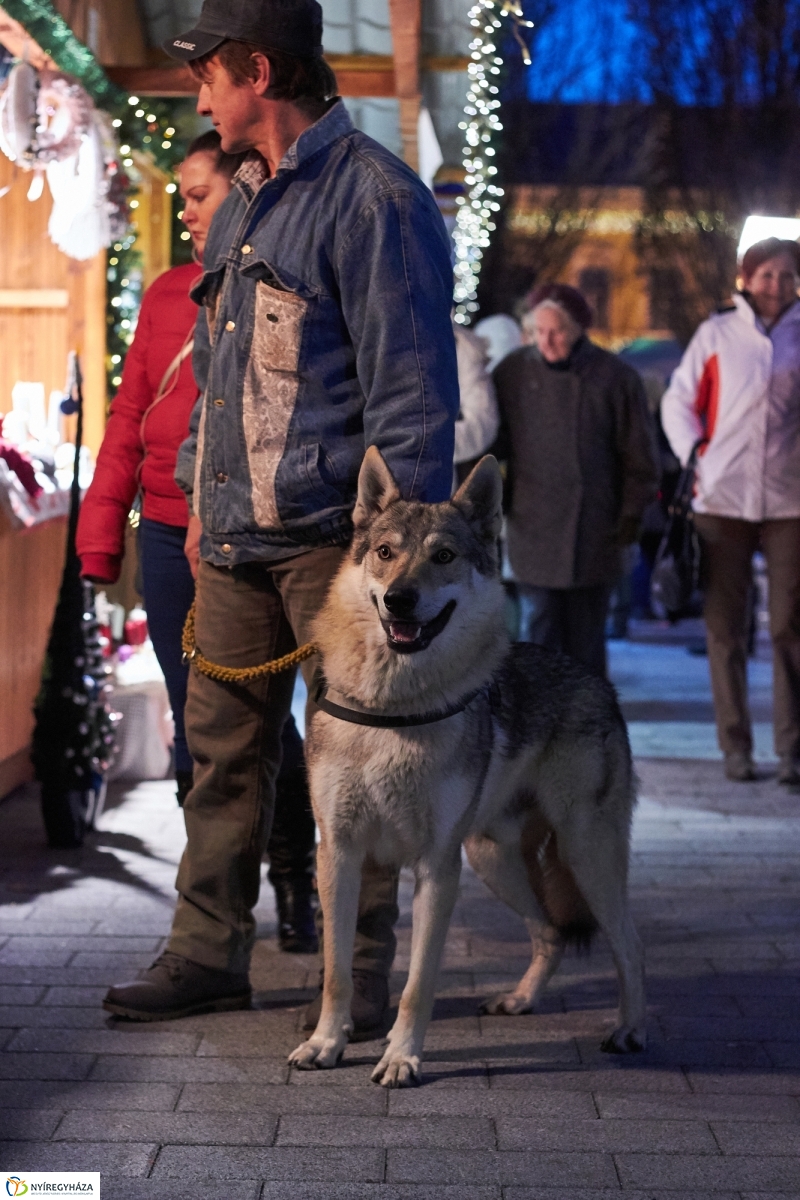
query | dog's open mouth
(408,637)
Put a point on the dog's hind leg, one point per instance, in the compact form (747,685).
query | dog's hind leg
(503,869)
(597,857)
(339,882)
(434,898)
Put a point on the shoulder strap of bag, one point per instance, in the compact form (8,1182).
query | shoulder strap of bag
(173,368)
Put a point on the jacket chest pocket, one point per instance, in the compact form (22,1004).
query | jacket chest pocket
(277,328)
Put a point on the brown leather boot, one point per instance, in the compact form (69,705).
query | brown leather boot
(176,987)
(369,1007)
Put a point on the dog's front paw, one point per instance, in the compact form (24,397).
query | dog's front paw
(318,1053)
(625,1040)
(506,1004)
(398,1070)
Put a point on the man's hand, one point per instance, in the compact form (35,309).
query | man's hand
(191,547)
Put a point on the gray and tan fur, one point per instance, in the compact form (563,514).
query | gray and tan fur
(534,778)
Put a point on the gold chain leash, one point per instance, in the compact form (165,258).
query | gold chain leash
(237,674)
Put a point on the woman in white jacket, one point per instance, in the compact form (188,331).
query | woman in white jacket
(738,389)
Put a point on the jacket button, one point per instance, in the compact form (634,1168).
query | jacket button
(225,548)
(247,249)
(230,325)
(222,477)
(272,317)
(220,403)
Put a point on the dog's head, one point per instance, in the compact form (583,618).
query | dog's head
(421,562)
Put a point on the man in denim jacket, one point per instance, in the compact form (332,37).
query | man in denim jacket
(324,329)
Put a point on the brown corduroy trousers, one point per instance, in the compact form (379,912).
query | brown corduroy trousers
(728,548)
(246,615)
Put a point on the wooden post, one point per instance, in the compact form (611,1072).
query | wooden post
(406,21)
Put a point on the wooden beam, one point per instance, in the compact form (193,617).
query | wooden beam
(34,298)
(406,22)
(356,75)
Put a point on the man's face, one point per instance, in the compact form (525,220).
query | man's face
(235,109)
(551,331)
(773,286)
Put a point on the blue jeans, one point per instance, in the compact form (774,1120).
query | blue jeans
(168,594)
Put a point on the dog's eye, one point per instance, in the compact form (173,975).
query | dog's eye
(443,557)
(384,552)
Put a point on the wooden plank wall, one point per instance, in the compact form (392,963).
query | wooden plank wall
(35,340)
(31,563)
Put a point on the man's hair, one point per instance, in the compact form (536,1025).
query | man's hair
(762,252)
(291,77)
(211,143)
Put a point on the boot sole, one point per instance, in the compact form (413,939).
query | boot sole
(222,1004)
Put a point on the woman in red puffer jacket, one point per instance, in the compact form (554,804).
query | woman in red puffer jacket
(148,422)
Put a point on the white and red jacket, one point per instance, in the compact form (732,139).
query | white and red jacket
(739,386)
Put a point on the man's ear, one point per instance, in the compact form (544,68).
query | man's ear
(376,488)
(263,77)
(480,497)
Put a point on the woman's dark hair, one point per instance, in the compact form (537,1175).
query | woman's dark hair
(292,78)
(211,143)
(761,252)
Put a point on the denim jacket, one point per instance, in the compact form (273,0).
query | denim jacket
(325,328)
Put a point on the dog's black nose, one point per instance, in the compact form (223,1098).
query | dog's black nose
(401,602)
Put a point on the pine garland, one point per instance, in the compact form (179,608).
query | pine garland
(55,37)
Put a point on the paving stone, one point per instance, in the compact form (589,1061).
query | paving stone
(127,1159)
(677,1171)
(29,1125)
(119,1188)
(41,1016)
(44,1066)
(739,1137)
(47,1094)
(175,1128)
(549,1170)
(332,1164)
(539,1193)
(705,1107)
(183,1069)
(427,1101)
(20,994)
(381,1191)
(605,1136)
(75,997)
(246,1097)
(469,1133)
(134,1040)
(771,1083)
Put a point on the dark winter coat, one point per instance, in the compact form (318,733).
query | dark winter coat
(581,461)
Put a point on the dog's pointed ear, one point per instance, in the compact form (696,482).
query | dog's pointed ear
(480,497)
(376,488)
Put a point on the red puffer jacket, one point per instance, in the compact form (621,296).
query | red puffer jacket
(166,319)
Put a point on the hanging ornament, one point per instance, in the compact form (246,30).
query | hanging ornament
(64,115)
(18,115)
(79,222)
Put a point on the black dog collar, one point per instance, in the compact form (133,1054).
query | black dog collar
(380,720)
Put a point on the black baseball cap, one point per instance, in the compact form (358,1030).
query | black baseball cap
(294,26)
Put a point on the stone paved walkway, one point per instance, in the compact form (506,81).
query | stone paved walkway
(523,1108)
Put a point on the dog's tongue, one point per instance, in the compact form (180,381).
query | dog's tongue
(401,631)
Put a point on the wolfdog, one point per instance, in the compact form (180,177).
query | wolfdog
(431,731)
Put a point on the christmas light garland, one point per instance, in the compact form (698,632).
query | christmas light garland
(475,217)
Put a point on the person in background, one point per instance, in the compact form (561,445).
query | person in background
(149,420)
(478,418)
(738,390)
(500,334)
(581,459)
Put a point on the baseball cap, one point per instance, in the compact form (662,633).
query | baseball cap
(294,26)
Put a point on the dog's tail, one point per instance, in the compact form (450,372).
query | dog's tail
(554,886)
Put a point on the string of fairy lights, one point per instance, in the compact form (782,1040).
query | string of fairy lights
(153,127)
(475,219)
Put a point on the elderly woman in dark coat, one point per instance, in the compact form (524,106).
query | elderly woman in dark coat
(582,465)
